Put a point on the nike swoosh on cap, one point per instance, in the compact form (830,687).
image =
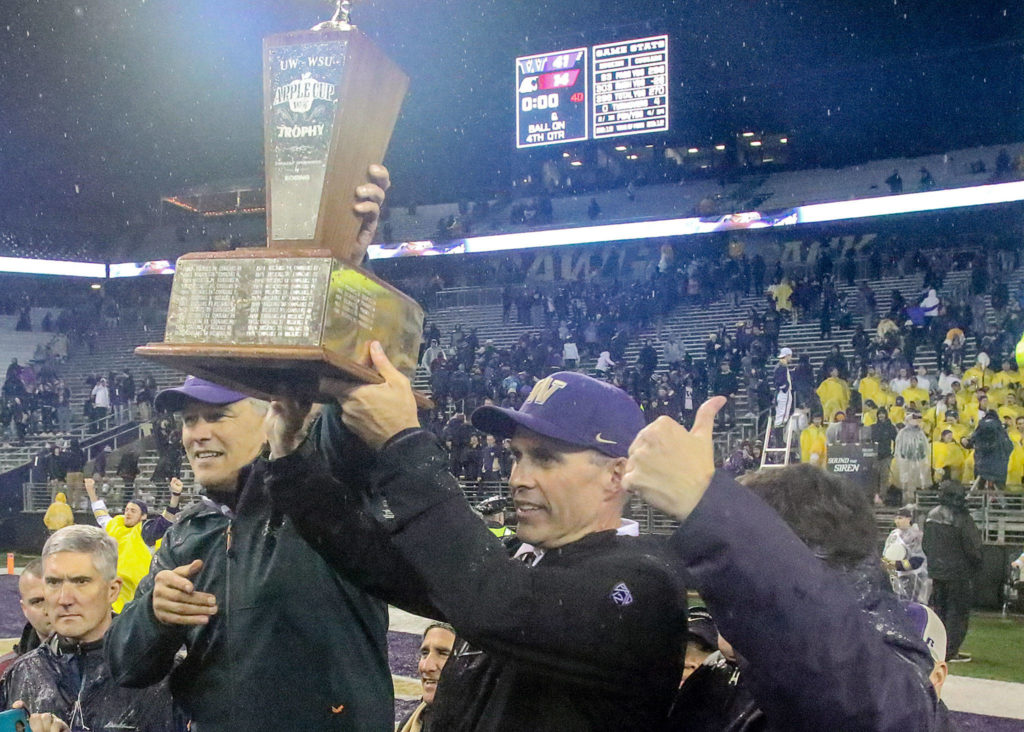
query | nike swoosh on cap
(604,441)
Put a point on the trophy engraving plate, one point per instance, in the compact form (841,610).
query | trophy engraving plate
(257,319)
(248,301)
(361,309)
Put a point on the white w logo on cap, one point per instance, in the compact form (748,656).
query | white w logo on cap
(543,390)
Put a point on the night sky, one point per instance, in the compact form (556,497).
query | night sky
(108,104)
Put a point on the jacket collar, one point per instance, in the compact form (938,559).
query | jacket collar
(598,538)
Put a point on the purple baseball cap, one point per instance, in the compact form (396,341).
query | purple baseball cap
(573,408)
(929,627)
(198,389)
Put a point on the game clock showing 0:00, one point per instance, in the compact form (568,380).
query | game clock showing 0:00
(625,92)
(551,95)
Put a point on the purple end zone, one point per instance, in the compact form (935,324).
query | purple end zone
(404,708)
(11,618)
(404,651)
(403,654)
(979,723)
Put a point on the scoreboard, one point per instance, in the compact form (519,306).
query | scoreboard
(604,91)
(552,93)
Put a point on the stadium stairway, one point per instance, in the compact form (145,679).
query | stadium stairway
(113,351)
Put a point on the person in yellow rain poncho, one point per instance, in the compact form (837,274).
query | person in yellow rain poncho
(897,411)
(968,466)
(1005,381)
(812,443)
(834,393)
(1010,408)
(885,399)
(961,395)
(1015,469)
(782,293)
(952,424)
(948,458)
(914,393)
(1017,433)
(133,554)
(980,374)
(59,514)
(869,386)
(974,410)
(935,416)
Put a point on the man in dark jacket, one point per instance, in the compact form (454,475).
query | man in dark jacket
(789,574)
(584,630)
(883,434)
(726,384)
(67,677)
(992,448)
(647,359)
(952,544)
(276,638)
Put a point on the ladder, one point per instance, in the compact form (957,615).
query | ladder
(769,450)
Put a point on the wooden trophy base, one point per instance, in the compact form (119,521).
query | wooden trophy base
(266,371)
(271,321)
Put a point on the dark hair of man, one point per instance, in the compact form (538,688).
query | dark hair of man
(829,514)
(438,624)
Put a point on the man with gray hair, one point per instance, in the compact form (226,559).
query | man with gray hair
(66,678)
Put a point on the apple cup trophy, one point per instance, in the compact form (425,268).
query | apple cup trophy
(302,308)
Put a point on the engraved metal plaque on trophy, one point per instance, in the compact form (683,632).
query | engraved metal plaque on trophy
(301,309)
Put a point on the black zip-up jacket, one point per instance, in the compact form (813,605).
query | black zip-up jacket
(588,639)
(952,543)
(295,645)
(52,678)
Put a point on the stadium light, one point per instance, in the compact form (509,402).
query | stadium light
(639,230)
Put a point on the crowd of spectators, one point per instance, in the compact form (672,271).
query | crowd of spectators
(953,420)
(34,400)
(589,325)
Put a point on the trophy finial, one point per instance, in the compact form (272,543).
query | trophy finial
(342,19)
